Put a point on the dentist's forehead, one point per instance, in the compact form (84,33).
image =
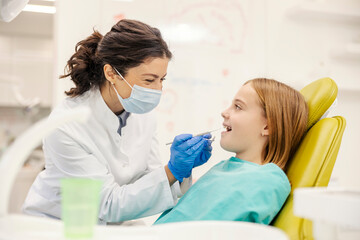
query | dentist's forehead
(154,66)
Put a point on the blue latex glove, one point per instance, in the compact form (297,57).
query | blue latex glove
(183,152)
(205,154)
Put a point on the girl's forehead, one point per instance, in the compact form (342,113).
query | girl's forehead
(247,94)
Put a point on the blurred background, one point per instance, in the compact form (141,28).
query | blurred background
(217,46)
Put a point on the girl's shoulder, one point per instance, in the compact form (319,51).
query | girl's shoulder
(274,177)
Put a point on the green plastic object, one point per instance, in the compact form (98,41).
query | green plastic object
(80,206)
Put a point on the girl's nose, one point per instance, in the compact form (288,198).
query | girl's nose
(225,114)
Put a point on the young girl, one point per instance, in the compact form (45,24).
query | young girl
(263,127)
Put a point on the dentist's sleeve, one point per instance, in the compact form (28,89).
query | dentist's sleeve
(149,195)
(178,190)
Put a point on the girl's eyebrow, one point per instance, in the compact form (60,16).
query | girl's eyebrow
(240,101)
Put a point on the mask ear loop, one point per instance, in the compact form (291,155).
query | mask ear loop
(113,85)
(121,77)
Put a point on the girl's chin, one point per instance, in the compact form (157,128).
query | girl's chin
(227,146)
(224,145)
(224,135)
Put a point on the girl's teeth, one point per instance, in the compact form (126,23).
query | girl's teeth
(227,128)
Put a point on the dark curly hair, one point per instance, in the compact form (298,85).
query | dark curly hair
(128,44)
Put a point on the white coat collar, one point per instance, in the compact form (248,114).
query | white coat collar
(102,112)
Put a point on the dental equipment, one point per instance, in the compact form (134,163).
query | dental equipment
(200,134)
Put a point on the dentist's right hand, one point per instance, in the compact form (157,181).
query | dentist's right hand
(184,150)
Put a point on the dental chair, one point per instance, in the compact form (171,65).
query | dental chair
(313,162)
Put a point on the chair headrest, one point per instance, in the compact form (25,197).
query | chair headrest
(319,96)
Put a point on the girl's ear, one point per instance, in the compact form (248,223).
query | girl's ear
(265,130)
(109,73)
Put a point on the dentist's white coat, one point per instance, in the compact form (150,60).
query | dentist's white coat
(135,182)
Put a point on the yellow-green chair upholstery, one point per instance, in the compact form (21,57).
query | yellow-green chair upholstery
(313,162)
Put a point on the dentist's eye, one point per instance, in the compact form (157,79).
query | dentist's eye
(163,79)
(149,80)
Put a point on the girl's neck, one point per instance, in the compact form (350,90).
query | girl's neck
(254,158)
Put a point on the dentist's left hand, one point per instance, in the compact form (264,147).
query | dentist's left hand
(184,150)
(205,154)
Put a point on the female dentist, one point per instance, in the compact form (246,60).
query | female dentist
(119,76)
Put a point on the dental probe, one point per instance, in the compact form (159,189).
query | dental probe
(200,134)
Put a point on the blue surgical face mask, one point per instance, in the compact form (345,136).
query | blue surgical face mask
(141,100)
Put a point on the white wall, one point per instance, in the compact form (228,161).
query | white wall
(218,45)
(74,21)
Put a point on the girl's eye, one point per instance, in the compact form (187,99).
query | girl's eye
(237,107)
